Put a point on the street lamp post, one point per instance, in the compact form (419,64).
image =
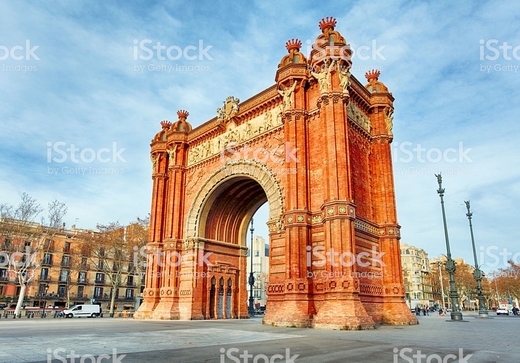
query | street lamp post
(456,314)
(477,274)
(442,285)
(251,276)
(45,288)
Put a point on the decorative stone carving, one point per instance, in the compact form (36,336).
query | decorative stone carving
(344,78)
(358,117)
(287,95)
(389,120)
(172,155)
(155,160)
(228,110)
(323,77)
(235,137)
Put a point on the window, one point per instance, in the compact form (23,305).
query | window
(257,253)
(100,277)
(82,277)
(81,289)
(62,290)
(47,259)
(44,275)
(129,294)
(64,275)
(130,281)
(66,247)
(65,261)
(98,292)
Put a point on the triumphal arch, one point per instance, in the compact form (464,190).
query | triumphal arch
(316,147)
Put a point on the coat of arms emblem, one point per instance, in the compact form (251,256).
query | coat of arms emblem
(228,110)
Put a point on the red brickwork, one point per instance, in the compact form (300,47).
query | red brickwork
(316,147)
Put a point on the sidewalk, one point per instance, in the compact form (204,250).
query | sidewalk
(434,340)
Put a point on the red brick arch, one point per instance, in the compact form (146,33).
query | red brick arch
(316,147)
(229,174)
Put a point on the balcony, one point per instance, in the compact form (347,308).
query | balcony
(131,283)
(65,264)
(82,281)
(84,266)
(47,262)
(46,278)
(99,281)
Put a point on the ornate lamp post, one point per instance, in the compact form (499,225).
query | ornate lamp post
(477,274)
(456,315)
(45,288)
(251,277)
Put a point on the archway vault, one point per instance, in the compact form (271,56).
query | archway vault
(232,194)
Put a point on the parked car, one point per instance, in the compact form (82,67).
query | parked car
(503,311)
(89,311)
(3,306)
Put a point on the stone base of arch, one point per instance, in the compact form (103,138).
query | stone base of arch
(343,313)
(288,313)
(150,302)
(167,309)
(396,312)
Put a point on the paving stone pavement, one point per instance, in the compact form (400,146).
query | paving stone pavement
(127,341)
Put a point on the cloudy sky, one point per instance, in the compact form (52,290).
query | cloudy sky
(83,92)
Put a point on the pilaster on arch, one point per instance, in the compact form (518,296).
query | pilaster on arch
(236,168)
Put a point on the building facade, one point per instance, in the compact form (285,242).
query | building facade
(416,276)
(316,147)
(64,272)
(260,270)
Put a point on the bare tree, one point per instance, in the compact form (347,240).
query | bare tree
(110,252)
(24,242)
(137,238)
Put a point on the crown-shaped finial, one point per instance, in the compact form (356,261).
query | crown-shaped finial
(183,114)
(372,75)
(293,44)
(165,124)
(328,22)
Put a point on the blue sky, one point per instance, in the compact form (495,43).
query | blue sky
(72,75)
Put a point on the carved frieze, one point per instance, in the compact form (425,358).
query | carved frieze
(358,117)
(236,135)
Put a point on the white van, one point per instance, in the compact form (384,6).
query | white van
(90,311)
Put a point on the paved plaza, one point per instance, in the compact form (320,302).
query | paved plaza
(126,340)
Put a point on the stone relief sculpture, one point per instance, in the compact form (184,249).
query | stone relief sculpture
(235,136)
(172,155)
(389,120)
(323,77)
(359,117)
(155,159)
(287,95)
(344,79)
